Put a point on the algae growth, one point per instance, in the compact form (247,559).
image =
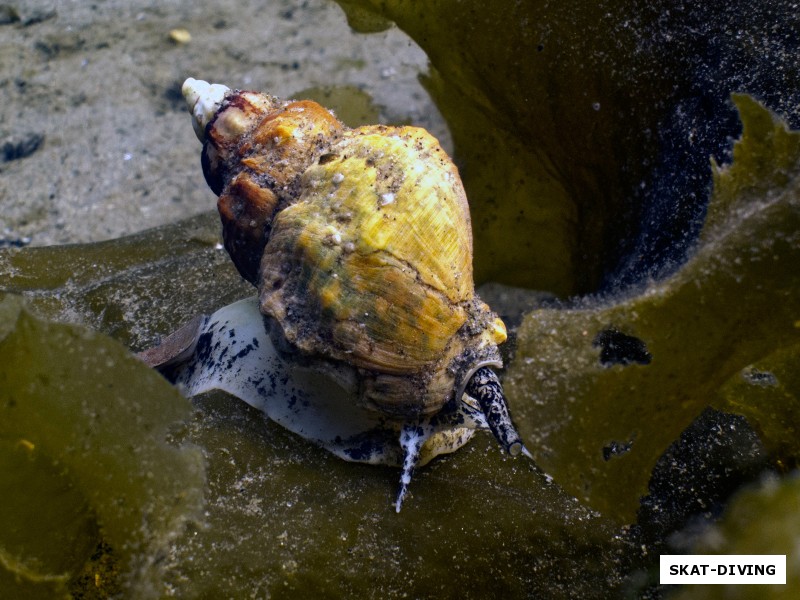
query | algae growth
(83,430)
(731,305)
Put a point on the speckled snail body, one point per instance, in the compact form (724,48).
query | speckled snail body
(359,242)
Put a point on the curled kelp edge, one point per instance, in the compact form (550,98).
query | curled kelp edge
(82,416)
(733,304)
(761,519)
(134,288)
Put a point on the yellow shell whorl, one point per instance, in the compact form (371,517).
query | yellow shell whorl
(379,253)
(360,243)
(373,265)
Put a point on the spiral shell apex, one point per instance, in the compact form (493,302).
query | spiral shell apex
(255,146)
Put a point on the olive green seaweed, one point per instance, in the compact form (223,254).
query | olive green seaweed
(768,394)
(761,519)
(732,305)
(83,427)
(48,528)
(288,520)
(764,163)
(133,288)
(555,109)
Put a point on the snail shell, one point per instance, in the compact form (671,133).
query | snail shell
(360,244)
(359,241)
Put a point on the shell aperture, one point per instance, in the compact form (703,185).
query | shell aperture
(360,244)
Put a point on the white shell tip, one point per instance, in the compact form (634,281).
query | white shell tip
(203,100)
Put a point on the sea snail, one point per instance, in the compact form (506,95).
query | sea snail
(360,244)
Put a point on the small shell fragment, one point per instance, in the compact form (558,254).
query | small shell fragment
(179,35)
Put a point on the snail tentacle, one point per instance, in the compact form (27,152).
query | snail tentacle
(412,438)
(485,387)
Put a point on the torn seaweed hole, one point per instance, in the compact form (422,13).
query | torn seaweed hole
(618,348)
(616,449)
